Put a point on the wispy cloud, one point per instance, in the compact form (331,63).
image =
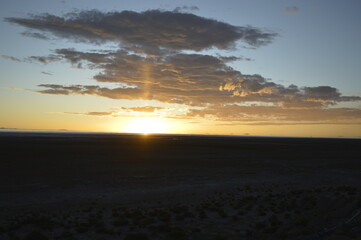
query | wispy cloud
(14,88)
(46,73)
(98,114)
(10,58)
(36,35)
(121,111)
(145,109)
(7,128)
(291,10)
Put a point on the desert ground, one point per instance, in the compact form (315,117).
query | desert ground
(78,186)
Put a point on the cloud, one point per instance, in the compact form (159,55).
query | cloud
(36,35)
(31,59)
(149,29)
(29,129)
(151,64)
(14,88)
(181,78)
(186,8)
(43,59)
(46,73)
(7,128)
(268,123)
(326,94)
(191,79)
(146,109)
(273,113)
(248,115)
(291,10)
(99,114)
(10,58)
(121,112)
(257,88)
(226,59)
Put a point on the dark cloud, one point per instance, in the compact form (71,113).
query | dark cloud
(152,29)
(10,58)
(291,10)
(321,93)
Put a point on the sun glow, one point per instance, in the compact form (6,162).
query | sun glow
(147,125)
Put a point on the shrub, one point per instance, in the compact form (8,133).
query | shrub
(164,216)
(274,220)
(82,228)
(161,228)
(136,236)
(13,236)
(202,214)
(66,234)
(120,222)
(178,234)
(35,235)
(219,237)
(260,225)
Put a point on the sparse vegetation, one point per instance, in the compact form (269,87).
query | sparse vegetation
(256,216)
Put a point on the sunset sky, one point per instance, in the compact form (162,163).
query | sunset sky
(242,67)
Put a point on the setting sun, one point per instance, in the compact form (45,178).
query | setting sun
(146,125)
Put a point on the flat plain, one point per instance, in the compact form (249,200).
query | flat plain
(125,186)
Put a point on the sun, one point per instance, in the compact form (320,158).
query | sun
(146,126)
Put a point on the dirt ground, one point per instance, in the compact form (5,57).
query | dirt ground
(113,186)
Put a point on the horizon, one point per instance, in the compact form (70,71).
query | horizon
(41,131)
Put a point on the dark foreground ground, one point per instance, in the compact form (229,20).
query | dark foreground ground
(134,187)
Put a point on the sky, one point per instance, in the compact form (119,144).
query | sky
(243,67)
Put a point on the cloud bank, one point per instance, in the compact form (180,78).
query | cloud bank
(160,58)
